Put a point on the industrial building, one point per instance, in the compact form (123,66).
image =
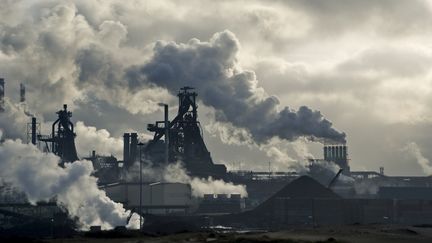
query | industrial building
(272,199)
(156,198)
(215,204)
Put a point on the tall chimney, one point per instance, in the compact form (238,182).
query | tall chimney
(2,93)
(126,142)
(22,93)
(33,130)
(333,153)
(133,147)
(345,152)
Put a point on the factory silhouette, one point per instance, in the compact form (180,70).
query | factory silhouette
(274,199)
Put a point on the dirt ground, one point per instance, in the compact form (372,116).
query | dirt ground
(355,234)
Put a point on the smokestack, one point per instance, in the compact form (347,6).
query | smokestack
(344,152)
(327,152)
(22,93)
(133,147)
(2,93)
(333,153)
(126,142)
(33,130)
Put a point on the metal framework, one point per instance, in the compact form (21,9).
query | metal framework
(62,139)
(33,130)
(186,143)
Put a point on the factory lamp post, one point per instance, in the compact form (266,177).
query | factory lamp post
(140,187)
(166,127)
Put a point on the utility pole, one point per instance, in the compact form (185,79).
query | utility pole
(140,194)
(269,169)
(166,127)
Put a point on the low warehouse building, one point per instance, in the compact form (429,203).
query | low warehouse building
(157,198)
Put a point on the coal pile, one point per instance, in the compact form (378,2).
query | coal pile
(302,188)
(305,187)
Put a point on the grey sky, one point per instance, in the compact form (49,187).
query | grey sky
(363,64)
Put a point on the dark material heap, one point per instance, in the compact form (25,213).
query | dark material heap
(305,187)
(302,188)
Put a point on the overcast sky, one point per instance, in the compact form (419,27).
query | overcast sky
(364,65)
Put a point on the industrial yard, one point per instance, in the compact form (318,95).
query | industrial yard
(355,234)
(317,207)
(215,121)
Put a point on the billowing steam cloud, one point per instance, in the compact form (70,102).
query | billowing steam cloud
(13,121)
(41,179)
(425,164)
(77,55)
(212,68)
(90,138)
(176,173)
(200,186)
(65,47)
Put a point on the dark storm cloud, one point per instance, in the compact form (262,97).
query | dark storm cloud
(97,67)
(211,67)
(331,55)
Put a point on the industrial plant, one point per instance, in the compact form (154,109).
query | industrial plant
(272,200)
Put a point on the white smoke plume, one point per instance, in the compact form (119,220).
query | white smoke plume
(90,138)
(334,169)
(365,187)
(301,149)
(415,151)
(75,52)
(212,67)
(69,49)
(176,172)
(229,134)
(281,160)
(14,120)
(41,179)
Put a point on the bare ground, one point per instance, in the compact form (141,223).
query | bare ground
(354,234)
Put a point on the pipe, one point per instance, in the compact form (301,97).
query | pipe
(166,134)
(333,153)
(325,153)
(126,142)
(2,93)
(33,130)
(133,147)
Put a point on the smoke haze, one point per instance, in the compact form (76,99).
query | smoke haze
(176,173)
(41,179)
(293,53)
(212,68)
(90,138)
(424,163)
